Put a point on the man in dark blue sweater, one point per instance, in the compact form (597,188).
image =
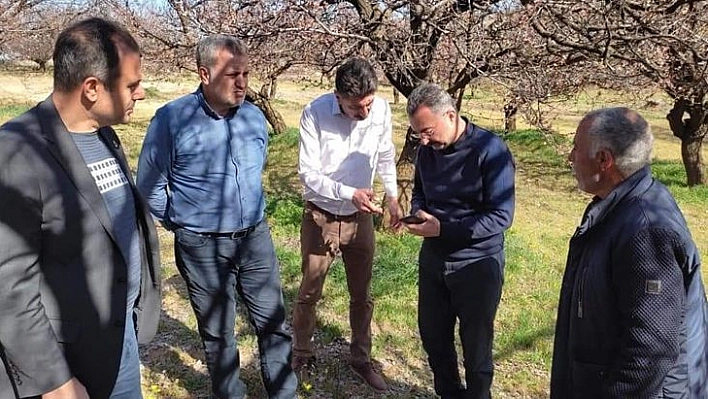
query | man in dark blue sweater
(464,193)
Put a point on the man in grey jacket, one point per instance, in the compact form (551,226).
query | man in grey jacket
(79,265)
(632,318)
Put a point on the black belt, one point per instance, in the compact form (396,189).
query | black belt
(232,235)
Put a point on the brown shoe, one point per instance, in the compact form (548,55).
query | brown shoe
(300,362)
(304,369)
(367,373)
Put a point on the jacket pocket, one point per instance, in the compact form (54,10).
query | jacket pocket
(67,332)
(587,380)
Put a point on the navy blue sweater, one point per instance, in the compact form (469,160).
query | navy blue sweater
(469,187)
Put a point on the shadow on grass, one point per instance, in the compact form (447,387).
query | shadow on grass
(524,342)
(333,377)
(176,355)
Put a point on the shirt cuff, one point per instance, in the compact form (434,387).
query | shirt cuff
(392,191)
(346,192)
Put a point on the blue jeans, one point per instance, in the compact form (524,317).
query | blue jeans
(215,269)
(468,291)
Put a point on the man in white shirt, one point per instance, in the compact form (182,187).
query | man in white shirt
(345,137)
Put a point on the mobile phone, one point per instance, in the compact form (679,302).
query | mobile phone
(412,219)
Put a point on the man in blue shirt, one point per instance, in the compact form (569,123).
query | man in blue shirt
(200,169)
(464,194)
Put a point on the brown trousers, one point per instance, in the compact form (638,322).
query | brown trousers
(323,236)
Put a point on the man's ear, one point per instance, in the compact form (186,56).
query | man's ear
(90,88)
(605,159)
(204,75)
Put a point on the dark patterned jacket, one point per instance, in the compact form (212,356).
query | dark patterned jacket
(632,318)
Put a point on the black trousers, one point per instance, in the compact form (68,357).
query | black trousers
(468,292)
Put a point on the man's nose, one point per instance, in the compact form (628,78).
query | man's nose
(139,93)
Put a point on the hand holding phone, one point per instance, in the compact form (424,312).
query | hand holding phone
(412,219)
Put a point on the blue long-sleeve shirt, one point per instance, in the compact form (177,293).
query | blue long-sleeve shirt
(469,187)
(201,171)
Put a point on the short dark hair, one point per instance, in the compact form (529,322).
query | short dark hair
(209,46)
(90,48)
(356,78)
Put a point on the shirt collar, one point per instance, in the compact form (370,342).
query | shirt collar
(209,110)
(599,207)
(336,109)
(464,140)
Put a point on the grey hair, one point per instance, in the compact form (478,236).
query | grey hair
(432,96)
(208,48)
(356,78)
(624,133)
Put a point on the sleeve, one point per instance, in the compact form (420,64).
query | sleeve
(418,195)
(154,165)
(650,297)
(386,164)
(266,140)
(33,357)
(498,198)
(310,165)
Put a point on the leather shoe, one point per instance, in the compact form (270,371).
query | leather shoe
(300,362)
(304,369)
(367,373)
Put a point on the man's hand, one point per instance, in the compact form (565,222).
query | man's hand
(72,389)
(395,211)
(362,200)
(429,228)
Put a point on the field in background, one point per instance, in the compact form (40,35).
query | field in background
(548,209)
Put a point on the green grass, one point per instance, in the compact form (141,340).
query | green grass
(673,175)
(9,111)
(549,207)
(535,252)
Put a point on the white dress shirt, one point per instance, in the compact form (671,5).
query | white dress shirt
(339,155)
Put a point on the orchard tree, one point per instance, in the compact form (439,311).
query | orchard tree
(11,12)
(272,32)
(40,26)
(662,40)
(450,42)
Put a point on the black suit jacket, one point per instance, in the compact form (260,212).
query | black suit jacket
(63,278)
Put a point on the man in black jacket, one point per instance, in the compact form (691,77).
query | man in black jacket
(632,317)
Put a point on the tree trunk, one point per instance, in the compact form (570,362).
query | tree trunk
(273,117)
(691,153)
(405,168)
(460,95)
(273,88)
(396,96)
(405,177)
(510,110)
(691,131)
